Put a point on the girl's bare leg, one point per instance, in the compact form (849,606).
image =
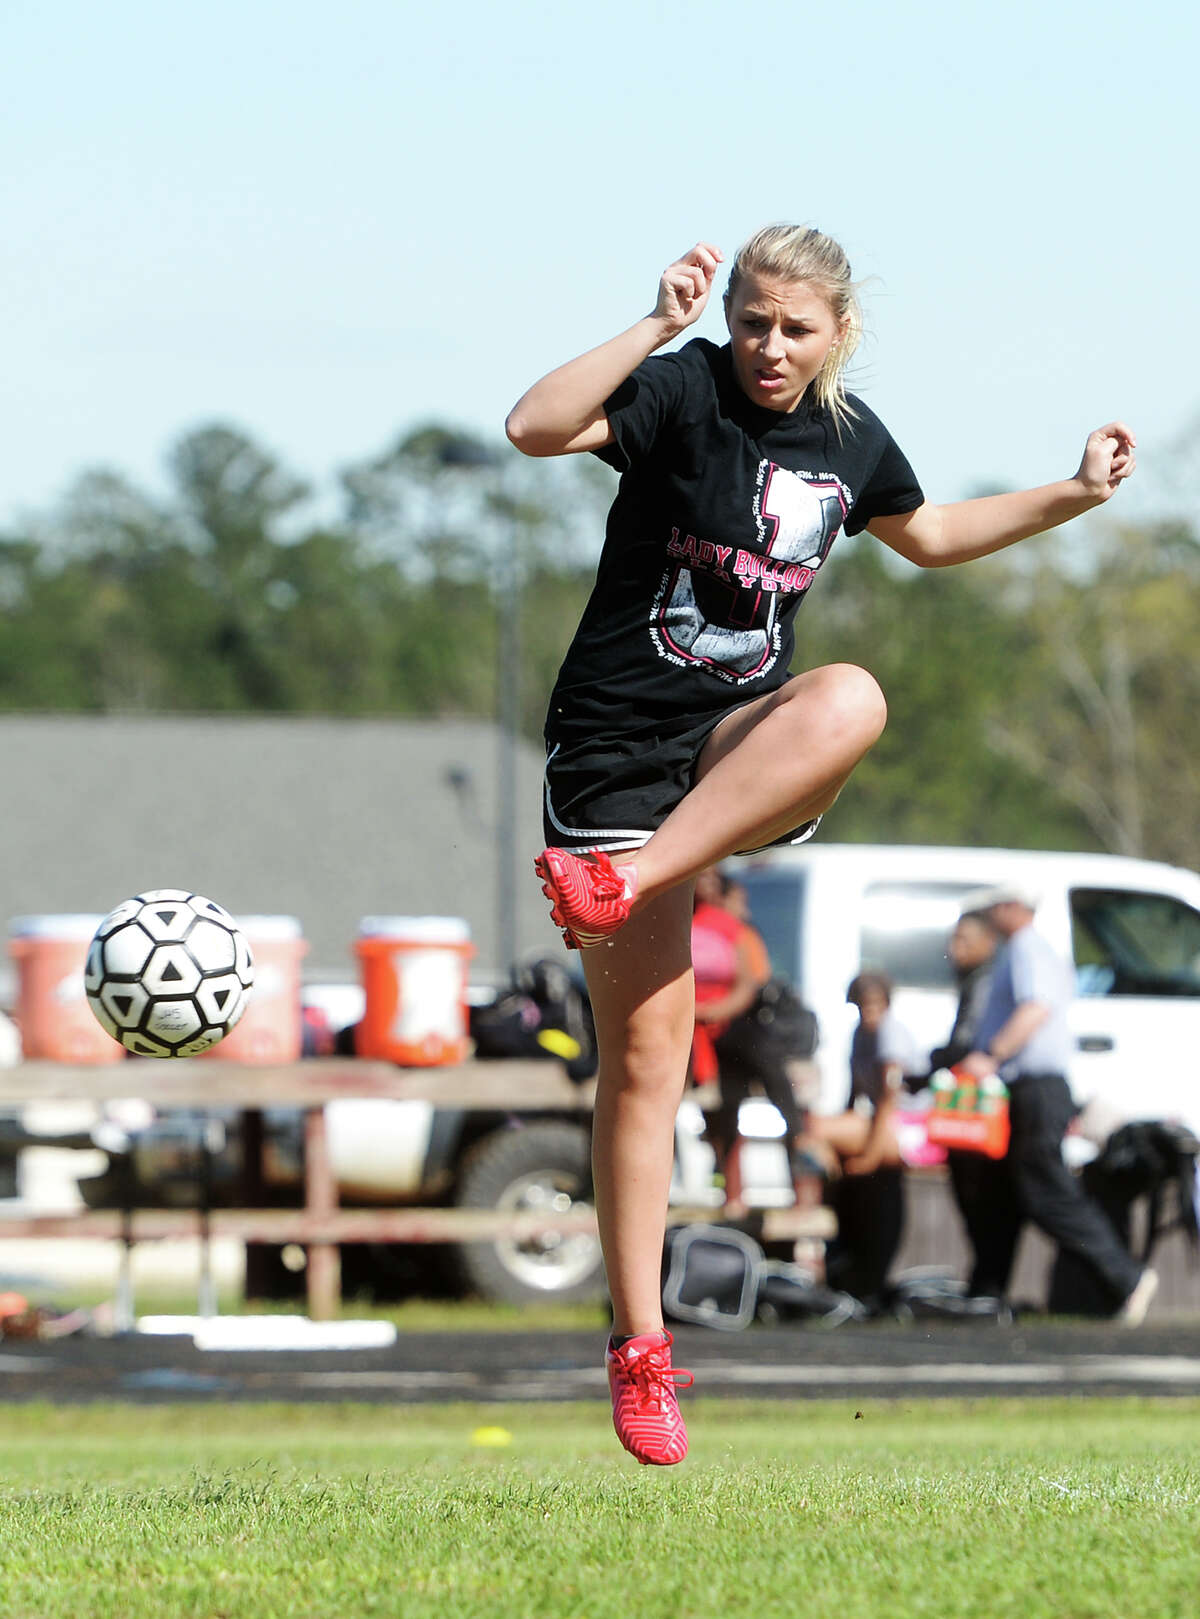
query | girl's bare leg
(773,764)
(847,1134)
(641,989)
(767,768)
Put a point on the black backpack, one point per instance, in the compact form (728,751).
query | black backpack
(719,1276)
(1148,1159)
(544,1013)
(783,1017)
(1153,1160)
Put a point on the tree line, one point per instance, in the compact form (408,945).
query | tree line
(1041,698)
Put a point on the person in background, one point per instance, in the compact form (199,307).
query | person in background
(983,1187)
(866,1188)
(747,1053)
(729,973)
(972,950)
(882,1053)
(736,901)
(1024,1037)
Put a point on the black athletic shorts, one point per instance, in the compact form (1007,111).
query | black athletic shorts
(613,792)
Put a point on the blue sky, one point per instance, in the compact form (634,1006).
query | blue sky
(326,225)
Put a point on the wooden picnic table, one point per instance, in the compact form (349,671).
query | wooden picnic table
(208,1082)
(320,1224)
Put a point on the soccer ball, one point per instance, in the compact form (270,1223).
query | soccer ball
(168,973)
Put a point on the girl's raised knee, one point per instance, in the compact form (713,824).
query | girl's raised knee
(856,698)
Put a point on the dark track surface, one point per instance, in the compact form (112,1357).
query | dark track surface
(877,1360)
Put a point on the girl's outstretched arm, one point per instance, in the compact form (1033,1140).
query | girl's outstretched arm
(935,536)
(564,412)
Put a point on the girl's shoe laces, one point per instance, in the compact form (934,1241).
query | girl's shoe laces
(607,883)
(649,1372)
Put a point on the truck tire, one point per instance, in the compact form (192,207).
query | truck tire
(537,1166)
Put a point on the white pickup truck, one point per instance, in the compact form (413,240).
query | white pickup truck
(1131,927)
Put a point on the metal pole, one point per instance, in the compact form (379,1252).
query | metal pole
(320,1201)
(467,452)
(508,691)
(124,1313)
(212,1142)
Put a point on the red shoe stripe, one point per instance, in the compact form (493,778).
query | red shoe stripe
(588,898)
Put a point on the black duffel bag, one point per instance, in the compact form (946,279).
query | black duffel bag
(782,1015)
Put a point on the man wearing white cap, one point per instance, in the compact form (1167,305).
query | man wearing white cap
(1024,1036)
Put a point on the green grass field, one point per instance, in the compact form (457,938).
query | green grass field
(1037,1509)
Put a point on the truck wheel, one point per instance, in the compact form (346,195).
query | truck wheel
(538,1167)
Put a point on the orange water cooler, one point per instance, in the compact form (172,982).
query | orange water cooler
(414,977)
(271,1029)
(52,1012)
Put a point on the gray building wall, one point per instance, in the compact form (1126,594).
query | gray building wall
(328,820)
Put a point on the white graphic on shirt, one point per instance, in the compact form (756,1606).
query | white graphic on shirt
(721,608)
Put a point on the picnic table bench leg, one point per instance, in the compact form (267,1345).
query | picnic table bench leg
(124,1312)
(253,1196)
(320,1200)
(212,1142)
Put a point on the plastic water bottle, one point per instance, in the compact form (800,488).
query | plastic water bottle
(992,1093)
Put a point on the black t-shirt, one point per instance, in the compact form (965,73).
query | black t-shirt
(724,514)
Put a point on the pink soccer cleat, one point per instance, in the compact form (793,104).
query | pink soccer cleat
(589,899)
(646,1413)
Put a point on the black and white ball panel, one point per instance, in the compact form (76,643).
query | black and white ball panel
(168,973)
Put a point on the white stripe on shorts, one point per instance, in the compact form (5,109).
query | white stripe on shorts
(591,840)
(587,840)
